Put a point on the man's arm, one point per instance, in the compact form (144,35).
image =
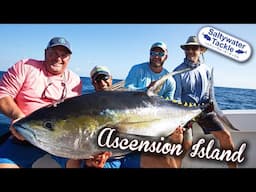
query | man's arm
(9,108)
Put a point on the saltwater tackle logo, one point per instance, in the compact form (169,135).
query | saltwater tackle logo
(224,43)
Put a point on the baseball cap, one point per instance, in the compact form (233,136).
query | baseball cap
(99,70)
(59,41)
(159,44)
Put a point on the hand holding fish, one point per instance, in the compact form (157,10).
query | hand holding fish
(177,135)
(14,132)
(151,84)
(210,107)
(98,161)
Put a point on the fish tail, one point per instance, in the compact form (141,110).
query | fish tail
(213,106)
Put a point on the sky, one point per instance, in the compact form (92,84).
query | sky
(120,46)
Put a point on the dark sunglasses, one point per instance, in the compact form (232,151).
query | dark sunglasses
(101,77)
(156,53)
(192,47)
(61,54)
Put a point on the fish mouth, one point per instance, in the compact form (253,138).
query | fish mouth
(25,132)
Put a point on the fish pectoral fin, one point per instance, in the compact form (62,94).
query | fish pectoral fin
(128,123)
(138,122)
(137,137)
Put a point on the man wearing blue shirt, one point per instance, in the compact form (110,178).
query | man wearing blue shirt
(193,87)
(141,77)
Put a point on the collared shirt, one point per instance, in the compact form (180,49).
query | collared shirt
(140,76)
(193,86)
(26,80)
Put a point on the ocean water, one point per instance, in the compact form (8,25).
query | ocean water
(227,98)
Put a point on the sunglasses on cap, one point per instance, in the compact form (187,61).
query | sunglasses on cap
(101,77)
(156,53)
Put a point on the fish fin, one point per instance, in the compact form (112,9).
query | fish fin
(214,105)
(117,86)
(138,137)
(156,87)
(153,90)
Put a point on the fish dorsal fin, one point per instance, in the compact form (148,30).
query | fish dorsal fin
(118,86)
(154,90)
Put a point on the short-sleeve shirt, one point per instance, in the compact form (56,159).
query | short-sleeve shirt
(26,81)
(140,76)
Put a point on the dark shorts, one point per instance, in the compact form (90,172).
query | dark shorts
(22,154)
(210,122)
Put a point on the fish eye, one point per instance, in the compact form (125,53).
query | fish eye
(48,125)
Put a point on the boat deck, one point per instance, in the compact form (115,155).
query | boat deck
(245,121)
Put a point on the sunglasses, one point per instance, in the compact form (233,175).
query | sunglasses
(101,77)
(56,54)
(193,48)
(50,89)
(156,53)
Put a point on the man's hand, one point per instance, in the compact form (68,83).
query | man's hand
(14,132)
(151,84)
(177,135)
(210,107)
(98,161)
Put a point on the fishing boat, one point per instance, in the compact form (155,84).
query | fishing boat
(244,120)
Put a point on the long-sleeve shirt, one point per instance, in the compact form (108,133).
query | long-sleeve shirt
(27,80)
(140,76)
(193,86)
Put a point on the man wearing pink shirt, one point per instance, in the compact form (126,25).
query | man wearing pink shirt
(29,85)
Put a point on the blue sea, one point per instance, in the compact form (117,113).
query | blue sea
(227,98)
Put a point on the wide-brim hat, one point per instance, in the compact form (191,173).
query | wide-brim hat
(192,40)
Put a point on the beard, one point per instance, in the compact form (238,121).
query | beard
(156,64)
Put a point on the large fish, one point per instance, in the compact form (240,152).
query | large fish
(71,128)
